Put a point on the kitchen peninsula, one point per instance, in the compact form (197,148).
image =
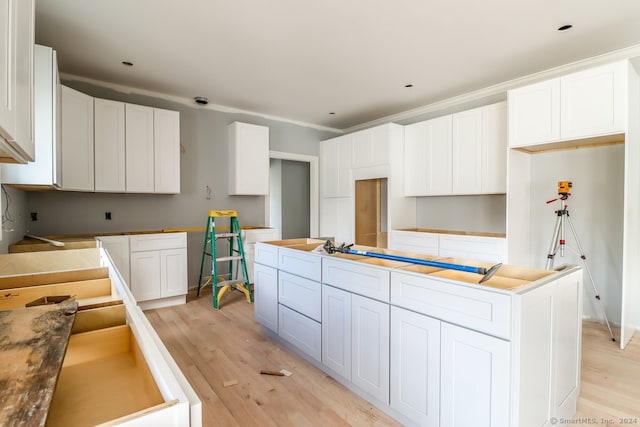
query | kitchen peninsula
(431,347)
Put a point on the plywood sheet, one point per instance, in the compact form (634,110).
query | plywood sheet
(40,262)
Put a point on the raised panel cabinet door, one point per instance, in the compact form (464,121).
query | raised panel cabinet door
(145,275)
(370,147)
(467,152)
(474,381)
(439,152)
(166,139)
(265,295)
(415,366)
(534,114)
(370,346)
(248,159)
(76,128)
(493,165)
(594,102)
(139,152)
(415,159)
(173,272)
(109,145)
(336,330)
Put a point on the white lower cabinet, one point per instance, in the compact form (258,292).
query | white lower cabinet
(118,249)
(475,377)
(415,366)
(145,275)
(265,296)
(336,330)
(370,348)
(301,331)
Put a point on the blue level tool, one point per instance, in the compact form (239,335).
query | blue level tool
(487,273)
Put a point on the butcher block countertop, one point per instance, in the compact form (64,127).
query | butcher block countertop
(459,232)
(33,342)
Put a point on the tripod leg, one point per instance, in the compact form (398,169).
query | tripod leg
(586,268)
(555,244)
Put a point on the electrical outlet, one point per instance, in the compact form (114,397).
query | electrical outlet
(107,216)
(34,216)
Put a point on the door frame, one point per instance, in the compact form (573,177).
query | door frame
(313,187)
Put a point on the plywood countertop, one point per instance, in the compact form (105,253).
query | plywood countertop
(33,342)
(458,232)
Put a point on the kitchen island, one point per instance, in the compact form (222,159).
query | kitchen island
(430,346)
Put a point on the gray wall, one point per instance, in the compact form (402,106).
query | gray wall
(203,135)
(483,213)
(14,224)
(295,199)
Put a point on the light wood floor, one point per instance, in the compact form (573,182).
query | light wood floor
(214,347)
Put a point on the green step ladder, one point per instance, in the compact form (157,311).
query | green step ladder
(221,283)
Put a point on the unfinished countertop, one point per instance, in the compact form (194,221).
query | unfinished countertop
(458,232)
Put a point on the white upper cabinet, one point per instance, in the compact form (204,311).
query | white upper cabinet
(594,102)
(44,171)
(585,104)
(494,149)
(335,164)
(248,166)
(467,152)
(370,147)
(109,145)
(166,137)
(76,123)
(415,159)
(139,149)
(16,81)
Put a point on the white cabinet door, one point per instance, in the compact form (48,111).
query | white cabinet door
(118,249)
(415,366)
(415,159)
(166,137)
(370,147)
(336,330)
(76,123)
(335,161)
(534,114)
(370,351)
(467,152)
(109,145)
(173,272)
(248,159)
(337,219)
(475,373)
(24,93)
(439,152)
(494,149)
(7,74)
(145,275)
(265,295)
(44,170)
(594,102)
(139,149)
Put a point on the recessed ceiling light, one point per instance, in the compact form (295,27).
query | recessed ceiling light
(565,27)
(201,100)
(331,112)
(408,85)
(127,63)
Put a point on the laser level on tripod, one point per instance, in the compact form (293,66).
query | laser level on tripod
(558,241)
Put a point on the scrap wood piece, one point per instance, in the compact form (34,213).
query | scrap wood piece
(275,373)
(286,373)
(229,383)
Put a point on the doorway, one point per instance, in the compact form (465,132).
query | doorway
(371,212)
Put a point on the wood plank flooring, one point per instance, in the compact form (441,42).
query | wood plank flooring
(213,347)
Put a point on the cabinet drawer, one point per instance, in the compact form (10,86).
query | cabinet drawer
(152,242)
(266,254)
(300,331)
(480,248)
(300,263)
(302,295)
(477,309)
(420,242)
(372,282)
(254,235)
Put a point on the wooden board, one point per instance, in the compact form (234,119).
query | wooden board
(44,278)
(19,297)
(40,262)
(32,348)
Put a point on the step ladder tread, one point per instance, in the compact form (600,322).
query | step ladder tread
(225,235)
(228,258)
(231,282)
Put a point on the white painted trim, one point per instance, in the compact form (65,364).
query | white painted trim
(313,187)
(502,88)
(189,102)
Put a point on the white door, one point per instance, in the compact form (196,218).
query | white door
(336,330)
(139,149)
(109,145)
(439,147)
(166,137)
(474,379)
(76,123)
(145,275)
(265,295)
(370,350)
(467,152)
(415,366)
(534,114)
(173,272)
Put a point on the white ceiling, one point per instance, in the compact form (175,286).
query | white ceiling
(302,59)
